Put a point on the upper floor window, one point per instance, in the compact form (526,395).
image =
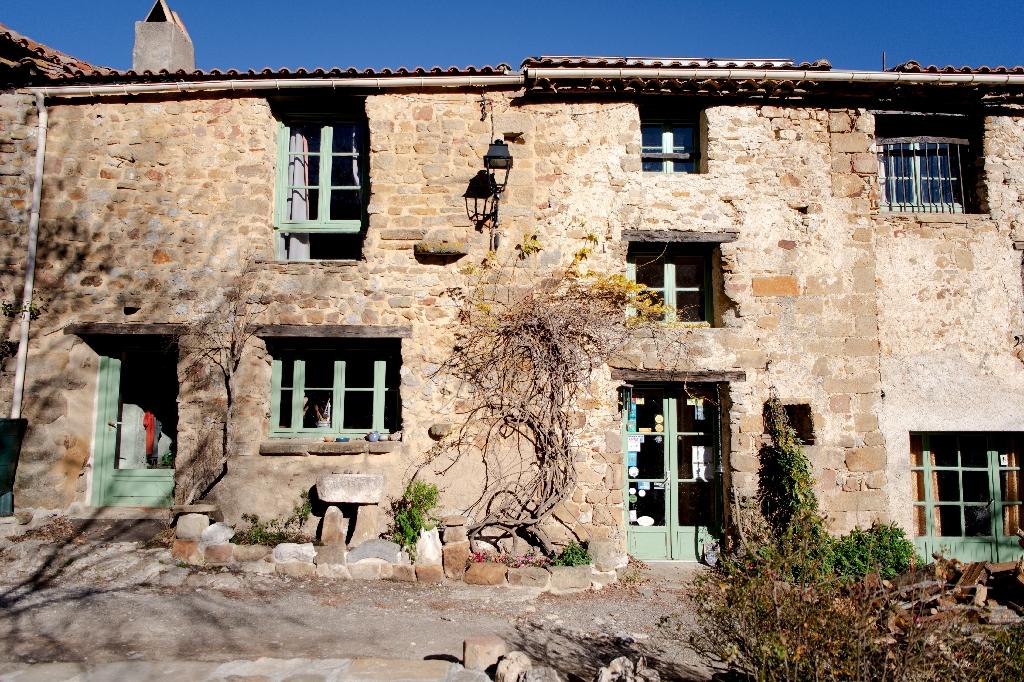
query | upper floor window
(925,163)
(669,146)
(328,387)
(680,277)
(321,188)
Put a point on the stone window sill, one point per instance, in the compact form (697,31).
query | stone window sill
(926,217)
(298,447)
(350,262)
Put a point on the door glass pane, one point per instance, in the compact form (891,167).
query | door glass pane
(975,486)
(147,418)
(943,450)
(346,137)
(920,521)
(695,457)
(947,521)
(696,504)
(649,410)
(358,410)
(1009,486)
(316,409)
(916,450)
(646,504)
(1006,446)
(345,171)
(650,460)
(974,451)
(946,486)
(977,521)
(917,485)
(1011,519)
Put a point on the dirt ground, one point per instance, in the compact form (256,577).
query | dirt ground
(97,603)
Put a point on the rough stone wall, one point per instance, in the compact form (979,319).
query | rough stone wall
(153,204)
(17,159)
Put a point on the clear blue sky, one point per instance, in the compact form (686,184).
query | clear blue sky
(376,33)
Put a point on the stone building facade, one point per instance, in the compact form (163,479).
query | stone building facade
(893,331)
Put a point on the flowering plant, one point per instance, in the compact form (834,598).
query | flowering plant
(530,559)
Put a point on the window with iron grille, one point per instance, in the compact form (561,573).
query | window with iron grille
(669,146)
(925,163)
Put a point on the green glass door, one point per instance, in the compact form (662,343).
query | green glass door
(967,497)
(136,429)
(671,445)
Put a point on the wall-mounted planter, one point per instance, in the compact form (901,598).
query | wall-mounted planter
(440,249)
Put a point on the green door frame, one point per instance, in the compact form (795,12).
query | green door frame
(121,487)
(671,541)
(993,547)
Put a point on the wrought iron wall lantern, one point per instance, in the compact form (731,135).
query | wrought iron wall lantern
(483,196)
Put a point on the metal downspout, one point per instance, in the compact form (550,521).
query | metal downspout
(30,264)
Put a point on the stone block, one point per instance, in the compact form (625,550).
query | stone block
(216,534)
(483,651)
(392,670)
(453,534)
(428,548)
(333,571)
(429,573)
(865,459)
(569,579)
(257,567)
(218,554)
(439,430)
(295,569)
(376,549)
(191,526)
(776,285)
(251,552)
(606,555)
(514,667)
(350,488)
(851,143)
(335,527)
(368,524)
(288,552)
(187,551)
(529,576)
(371,569)
(454,520)
(486,573)
(601,579)
(331,554)
(456,556)
(403,573)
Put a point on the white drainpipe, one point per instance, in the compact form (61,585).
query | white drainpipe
(30,261)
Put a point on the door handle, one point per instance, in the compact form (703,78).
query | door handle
(114,425)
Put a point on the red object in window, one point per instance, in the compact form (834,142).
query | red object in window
(149,421)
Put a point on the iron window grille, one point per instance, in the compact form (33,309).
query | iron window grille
(923,174)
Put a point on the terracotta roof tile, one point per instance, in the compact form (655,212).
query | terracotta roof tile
(671,62)
(130,76)
(21,55)
(916,67)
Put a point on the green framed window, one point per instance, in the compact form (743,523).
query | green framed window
(669,146)
(321,186)
(680,277)
(341,389)
(967,495)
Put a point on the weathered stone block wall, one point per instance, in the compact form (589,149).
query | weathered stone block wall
(154,204)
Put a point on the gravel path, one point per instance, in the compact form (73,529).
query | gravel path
(115,602)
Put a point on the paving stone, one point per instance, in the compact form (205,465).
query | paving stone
(191,526)
(456,557)
(601,579)
(370,569)
(295,569)
(529,576)
(350,488)
(257,567)
(376,549)
(486,573)
(482,651)
(569,579)
(333,571)
(386,670)
(292,551)
(431,574)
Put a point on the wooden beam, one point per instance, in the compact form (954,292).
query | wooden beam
(124,329)
(674,376)
(329,331)
(678,236)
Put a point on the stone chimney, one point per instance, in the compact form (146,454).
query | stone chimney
(161,42)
